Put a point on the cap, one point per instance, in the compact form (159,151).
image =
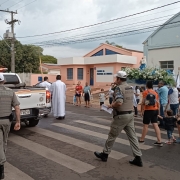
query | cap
(121,74)
(1,77)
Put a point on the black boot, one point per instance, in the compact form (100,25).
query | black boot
(1,171)
(101,156)
(137,161)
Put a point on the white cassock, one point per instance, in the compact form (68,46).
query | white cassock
(45,84)
(58,91)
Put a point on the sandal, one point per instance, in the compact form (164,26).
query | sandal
(168,142)
(140,141)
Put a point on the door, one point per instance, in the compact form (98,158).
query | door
(91,76)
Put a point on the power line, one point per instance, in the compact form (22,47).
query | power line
(115,34)
(82,27)
(26,4)
(4,2)
(15,4)
(115,22)
(114,29)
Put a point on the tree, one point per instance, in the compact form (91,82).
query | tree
(112,43)
(48,59)
(26,57)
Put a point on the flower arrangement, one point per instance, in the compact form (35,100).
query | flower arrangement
(150,74)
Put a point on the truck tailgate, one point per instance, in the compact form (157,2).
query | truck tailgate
(31,98)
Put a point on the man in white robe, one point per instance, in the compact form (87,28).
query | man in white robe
(58,91)
(45,83)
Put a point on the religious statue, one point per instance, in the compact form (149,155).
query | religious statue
(143,63)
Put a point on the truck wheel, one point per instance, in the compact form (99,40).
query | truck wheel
(45,116)
(32,122)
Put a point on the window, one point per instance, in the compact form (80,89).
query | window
(123,68)
(109,52)
(99,53)
(69,73)
(11,79)
(167,65)
(80,73)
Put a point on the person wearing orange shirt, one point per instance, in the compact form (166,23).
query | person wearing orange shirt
(78,92)
(151,108)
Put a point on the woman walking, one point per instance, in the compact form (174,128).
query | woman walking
(78,92)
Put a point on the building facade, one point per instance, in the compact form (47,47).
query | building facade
(162,48)
(98,66)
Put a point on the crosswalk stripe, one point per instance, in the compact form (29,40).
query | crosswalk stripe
(64,160)
(138,127)
(107,127)
(76,142)
(99,135)
(13,173)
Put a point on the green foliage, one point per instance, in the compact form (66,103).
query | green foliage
(26,57)
(112,43)
(48,59)
(150,74)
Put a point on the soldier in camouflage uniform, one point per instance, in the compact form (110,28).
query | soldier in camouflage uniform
(8,100)
(123,119)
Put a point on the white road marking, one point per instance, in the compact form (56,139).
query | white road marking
(13,173)
(107,127)
(76,142)
(99,135)
(64,160)
(138,127)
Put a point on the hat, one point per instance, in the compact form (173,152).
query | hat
(121,74)
(1,77)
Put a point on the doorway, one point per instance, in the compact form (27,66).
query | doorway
(91,76)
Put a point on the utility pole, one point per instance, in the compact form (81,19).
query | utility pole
(11,36)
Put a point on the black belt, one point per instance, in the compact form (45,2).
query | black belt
(6,117)
(124,112)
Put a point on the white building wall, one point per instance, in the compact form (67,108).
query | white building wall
(167,54)
(104,74)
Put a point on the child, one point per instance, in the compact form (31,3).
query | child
(102,98)
(169,122)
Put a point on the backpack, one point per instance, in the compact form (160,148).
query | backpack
(150,99)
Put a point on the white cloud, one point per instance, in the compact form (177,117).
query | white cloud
(44,16)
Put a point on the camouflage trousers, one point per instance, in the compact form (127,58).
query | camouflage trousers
(123,122)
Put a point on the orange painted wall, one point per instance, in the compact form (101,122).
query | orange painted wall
(86,73)
(34,78)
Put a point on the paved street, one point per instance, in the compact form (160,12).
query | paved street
(63,150)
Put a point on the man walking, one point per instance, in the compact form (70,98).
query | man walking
(150,106)
(174,99)
(87,94)
(123,119)
(8,100)
(45,83)
(163,98)
(58,91)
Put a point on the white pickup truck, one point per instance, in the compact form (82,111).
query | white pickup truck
(34,102)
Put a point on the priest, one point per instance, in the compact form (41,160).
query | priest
(58,91)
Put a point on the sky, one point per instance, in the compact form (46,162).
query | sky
(48,16)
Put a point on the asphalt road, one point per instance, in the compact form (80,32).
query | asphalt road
(63,150)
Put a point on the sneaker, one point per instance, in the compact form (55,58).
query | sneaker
(136,161)
(101,156)
(158,144)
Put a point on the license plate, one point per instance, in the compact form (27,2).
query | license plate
(25,112)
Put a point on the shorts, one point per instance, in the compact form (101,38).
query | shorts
(101,103)
(150,116)
(86,97)
(78,95)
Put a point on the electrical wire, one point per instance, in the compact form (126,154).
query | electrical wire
(109,23)
(114,29)
(4,2)
(26,4)
(82,27)
(15,4)
(115,34)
